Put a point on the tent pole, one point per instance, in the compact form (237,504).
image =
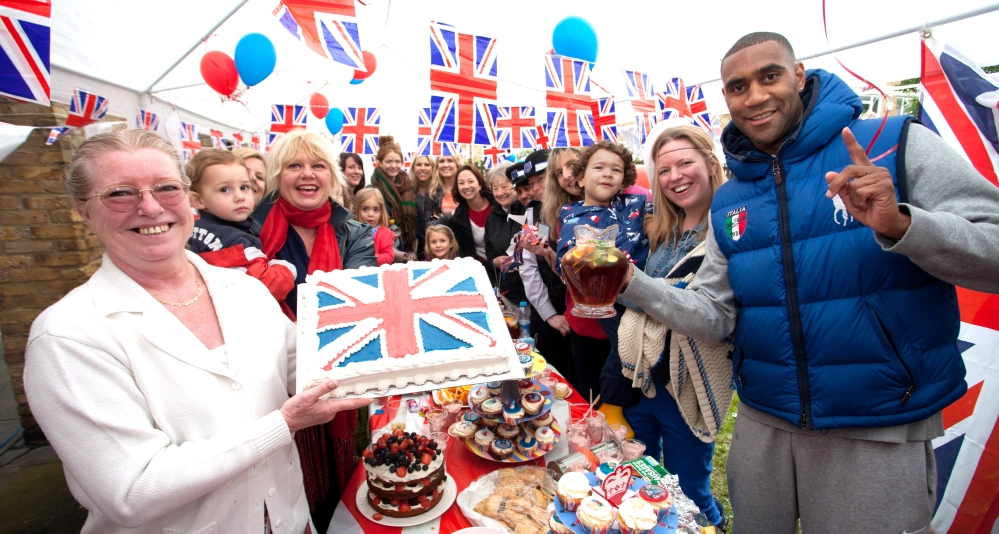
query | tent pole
(195,45)
(919,28)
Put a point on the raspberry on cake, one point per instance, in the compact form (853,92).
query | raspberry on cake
(405,474)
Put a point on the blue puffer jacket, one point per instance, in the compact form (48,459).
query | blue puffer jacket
(832,331)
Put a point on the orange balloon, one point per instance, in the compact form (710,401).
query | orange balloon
(319,105)
(643,178)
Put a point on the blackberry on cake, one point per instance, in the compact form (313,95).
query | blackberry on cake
(405,474)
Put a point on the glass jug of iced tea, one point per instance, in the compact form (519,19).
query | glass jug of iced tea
(594,271)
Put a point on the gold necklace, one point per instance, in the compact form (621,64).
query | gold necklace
(197,281)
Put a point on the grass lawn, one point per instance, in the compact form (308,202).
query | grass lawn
(719,484)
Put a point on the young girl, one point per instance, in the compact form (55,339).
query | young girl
(369,207)
(441,244)
(604,170)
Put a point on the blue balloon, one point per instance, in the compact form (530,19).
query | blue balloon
(512,158)
(356,82)
(334,120)
(575,37)
(255,58)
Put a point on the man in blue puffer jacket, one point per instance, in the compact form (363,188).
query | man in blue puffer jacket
(834,270)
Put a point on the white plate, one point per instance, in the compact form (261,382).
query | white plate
(479,530)
(450,494)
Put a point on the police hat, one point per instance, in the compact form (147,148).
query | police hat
(535,164)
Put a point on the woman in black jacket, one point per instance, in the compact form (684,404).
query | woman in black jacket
(500,230)
(468,222)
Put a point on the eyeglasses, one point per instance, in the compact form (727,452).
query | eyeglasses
(126,197)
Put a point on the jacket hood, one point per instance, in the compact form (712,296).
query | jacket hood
(829,106)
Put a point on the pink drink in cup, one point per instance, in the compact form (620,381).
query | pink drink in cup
(453,411)
(595,427)
(437,420)
(632,449)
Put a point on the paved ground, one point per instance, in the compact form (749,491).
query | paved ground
(34,498)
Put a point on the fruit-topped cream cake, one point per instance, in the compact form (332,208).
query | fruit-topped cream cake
(405,474)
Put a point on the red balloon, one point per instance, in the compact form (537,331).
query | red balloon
(643,177)
(370,63)
(319,105)
(219,72)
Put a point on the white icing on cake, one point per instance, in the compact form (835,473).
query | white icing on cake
(353,315)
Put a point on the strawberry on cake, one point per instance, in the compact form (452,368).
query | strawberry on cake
(405,474)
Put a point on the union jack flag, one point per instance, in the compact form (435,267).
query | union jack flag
(271,139)
(959,102)
(643,101)
(217,141)
(407,160)
(189,140)
(568,100)
(55,134)
(430,310)
(238,138)
(147,120)
(255,143)
(602,123)
(491,156)
(329,29)
(360,130)
(539,137)
(462,74)
(425,144)
(487,132)
(25,40)
(287,118)
(520,121)
(85,108)
(679,101)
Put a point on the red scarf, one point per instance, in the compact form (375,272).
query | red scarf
(325,257)
(325,251)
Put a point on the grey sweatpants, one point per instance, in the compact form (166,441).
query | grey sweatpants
(778,474)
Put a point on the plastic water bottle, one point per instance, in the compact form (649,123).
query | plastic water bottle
(524,319)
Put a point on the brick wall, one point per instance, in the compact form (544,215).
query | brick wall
(46,249)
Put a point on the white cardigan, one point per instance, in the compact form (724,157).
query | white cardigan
(154,433)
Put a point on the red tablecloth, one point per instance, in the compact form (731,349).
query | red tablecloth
(463,466)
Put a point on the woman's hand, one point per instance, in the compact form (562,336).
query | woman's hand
(498,261)
(307,409)
(628,277)
(559,323)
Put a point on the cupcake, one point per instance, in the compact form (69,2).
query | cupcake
(562,390)
(532,402)
(489,422)
(545,437)
(545,419)
(463,430)
(508,431)
(491,407)
(605,469)
(526,362)
(595,515)
(471,417)
(494,388)
(501,448)
(483,438)
(527,445)
(572,489)
(658,497)
(478,395)
(512,413)
(557,526)
(636,517)
(525,386)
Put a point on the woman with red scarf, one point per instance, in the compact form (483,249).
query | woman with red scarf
(304,226)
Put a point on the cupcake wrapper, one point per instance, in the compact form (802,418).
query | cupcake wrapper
(528,452)
(594,530)
(570,505)
(546,446)
(511,420)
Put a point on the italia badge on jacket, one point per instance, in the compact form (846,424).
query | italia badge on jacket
(735,223)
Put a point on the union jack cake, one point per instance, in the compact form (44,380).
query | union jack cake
(401,328)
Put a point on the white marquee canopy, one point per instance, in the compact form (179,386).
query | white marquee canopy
(139,53)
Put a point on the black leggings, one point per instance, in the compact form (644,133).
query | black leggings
(588,357)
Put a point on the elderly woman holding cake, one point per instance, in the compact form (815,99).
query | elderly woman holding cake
(165,384)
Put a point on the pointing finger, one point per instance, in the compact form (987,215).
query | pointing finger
(856,151)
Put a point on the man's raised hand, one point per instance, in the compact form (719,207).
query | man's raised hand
(867,192)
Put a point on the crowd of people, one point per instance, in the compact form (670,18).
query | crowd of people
(165,383)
